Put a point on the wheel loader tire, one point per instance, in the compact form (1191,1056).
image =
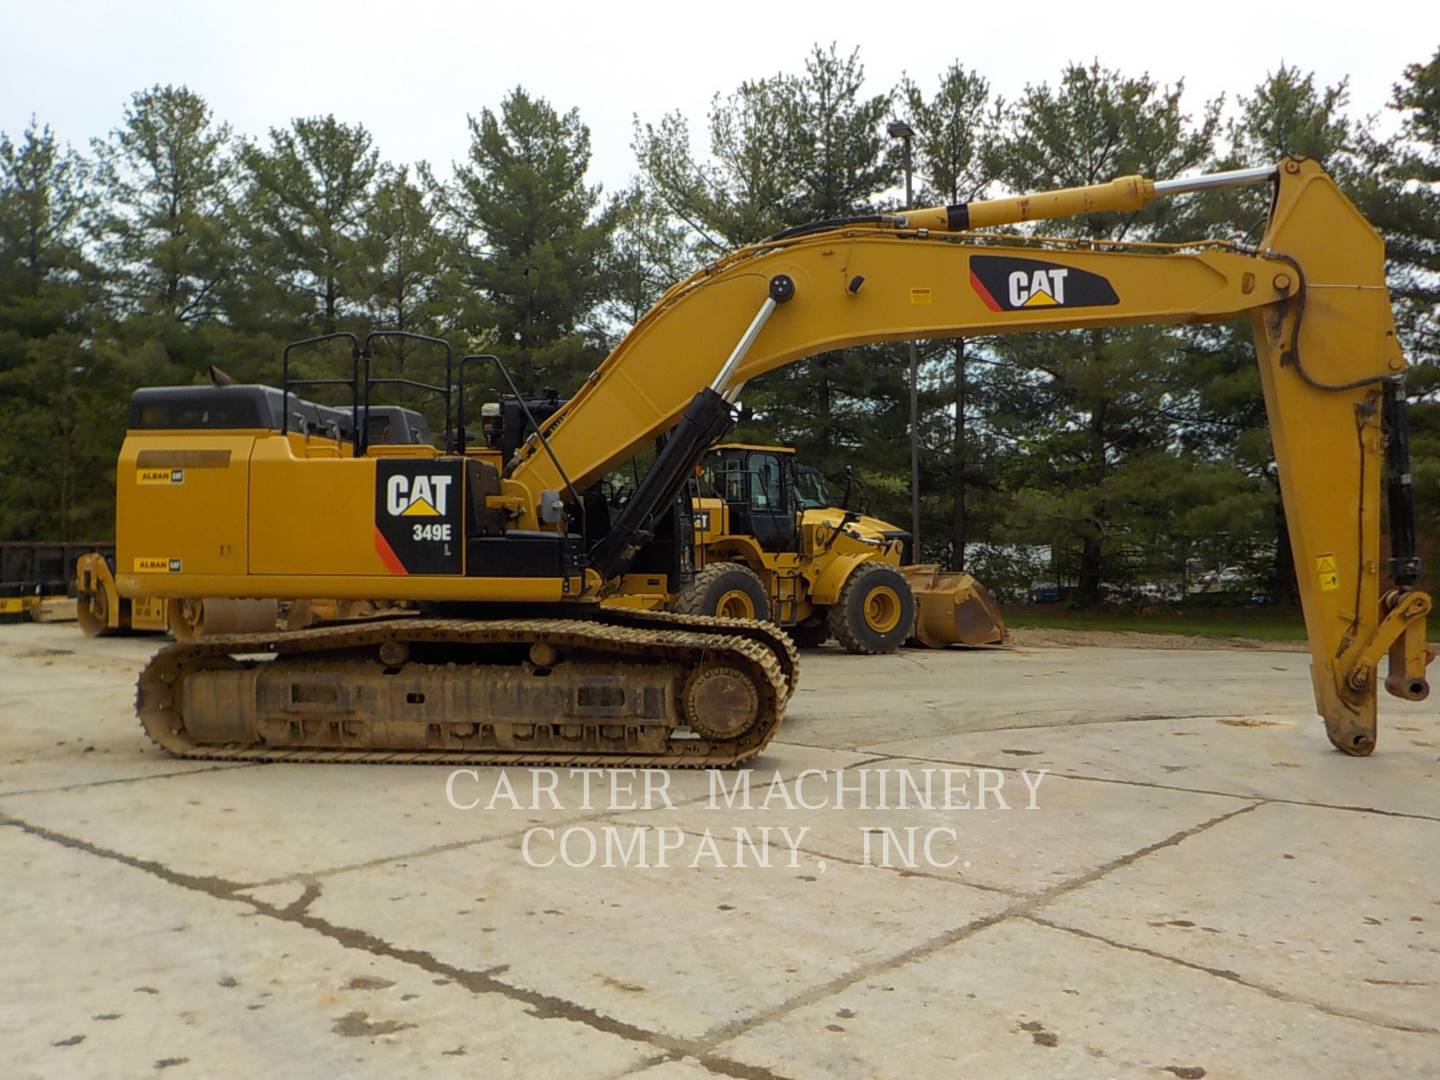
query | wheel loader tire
(811,634)
(729,590)
(875,611)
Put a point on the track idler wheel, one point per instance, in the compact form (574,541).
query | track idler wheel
(720,702)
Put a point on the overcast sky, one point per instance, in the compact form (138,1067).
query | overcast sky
(411,71)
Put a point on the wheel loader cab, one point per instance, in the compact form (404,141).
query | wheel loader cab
(759,487)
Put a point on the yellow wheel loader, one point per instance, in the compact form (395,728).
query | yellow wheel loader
(513,658)
(770,544)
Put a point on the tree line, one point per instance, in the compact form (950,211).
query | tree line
(1134,456)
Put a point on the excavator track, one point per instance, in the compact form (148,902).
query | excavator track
(643,690)
(766,633)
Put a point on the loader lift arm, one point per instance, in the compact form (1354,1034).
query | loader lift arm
(1313,291)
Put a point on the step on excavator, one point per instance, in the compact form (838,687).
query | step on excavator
(512,658)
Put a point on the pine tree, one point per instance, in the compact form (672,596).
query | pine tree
(840,162)
(956,135)
(649,252)
(849,407)
(1085,404)
(535,245)
(305,213)
(166,236)
(745,191)
(1286,113)
(404,278)
(59,411)
(786,150)
(1402,199)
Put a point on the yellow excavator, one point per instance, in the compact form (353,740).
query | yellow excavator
(770,543)
(513,659)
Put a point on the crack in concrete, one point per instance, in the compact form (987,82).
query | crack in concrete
(721,1066)
(1230,976)
(1166,787)
(215,887)
(301,904)
(739,1070)
(222,767)
(716,1036)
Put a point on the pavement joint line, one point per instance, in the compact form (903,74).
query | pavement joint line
(877,748)
(307,876)
(727,1032)
(1373,1019)
(739,1070)
(1173,787)
(539,1005)
(218,767)
(714,1063)
(641,1065)
(458,845)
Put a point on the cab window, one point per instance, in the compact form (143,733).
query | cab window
(765,490)
(810,488)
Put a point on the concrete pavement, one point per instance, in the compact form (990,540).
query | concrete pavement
(1183,881)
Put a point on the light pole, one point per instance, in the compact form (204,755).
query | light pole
(898,129)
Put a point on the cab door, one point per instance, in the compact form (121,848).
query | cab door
(772,513)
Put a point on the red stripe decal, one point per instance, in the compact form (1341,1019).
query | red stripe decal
(984,293)
(387,554)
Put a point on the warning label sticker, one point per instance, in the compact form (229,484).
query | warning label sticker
(1326,572)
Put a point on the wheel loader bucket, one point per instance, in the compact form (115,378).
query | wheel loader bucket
(952,608)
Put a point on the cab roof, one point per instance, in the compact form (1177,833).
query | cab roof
(753,446)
